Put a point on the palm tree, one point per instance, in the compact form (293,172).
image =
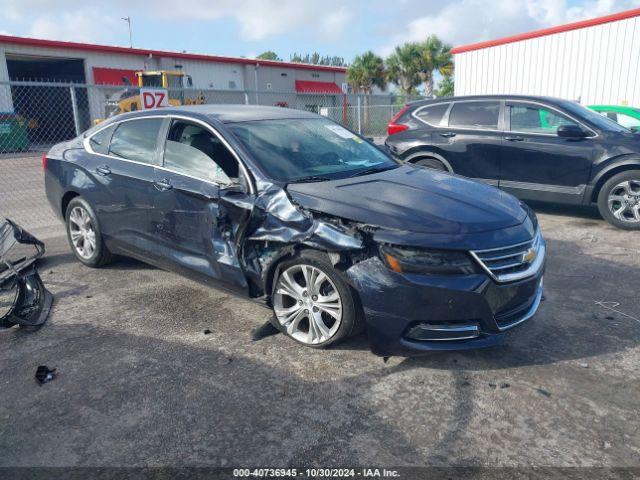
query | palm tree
(434,56)
(365,72)
(403,67)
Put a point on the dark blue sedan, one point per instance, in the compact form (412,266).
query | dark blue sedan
(294,210)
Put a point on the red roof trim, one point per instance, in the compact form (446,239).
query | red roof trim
(310,86)
(549,31)
(36,42)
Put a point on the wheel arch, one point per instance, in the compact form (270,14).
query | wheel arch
(66,199)
(606,174)
(420,154)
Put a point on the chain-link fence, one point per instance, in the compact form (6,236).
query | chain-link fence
(36,115)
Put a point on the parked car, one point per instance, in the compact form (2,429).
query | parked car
(292,209)
(628,117)
(537,148)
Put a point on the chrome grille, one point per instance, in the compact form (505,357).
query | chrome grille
(513,262)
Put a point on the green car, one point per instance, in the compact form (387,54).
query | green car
(628,117)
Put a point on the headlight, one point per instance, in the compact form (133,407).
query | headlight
(436,262)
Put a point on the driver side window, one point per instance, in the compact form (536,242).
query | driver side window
(195,151)
(536,119)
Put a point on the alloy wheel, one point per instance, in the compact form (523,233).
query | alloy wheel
(307,304)
(624,201)
(82,232)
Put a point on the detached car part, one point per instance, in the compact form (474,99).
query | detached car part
(24,300)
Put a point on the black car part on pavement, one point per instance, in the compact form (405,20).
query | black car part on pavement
(24,300)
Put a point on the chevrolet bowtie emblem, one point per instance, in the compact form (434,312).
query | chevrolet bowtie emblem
(530,255)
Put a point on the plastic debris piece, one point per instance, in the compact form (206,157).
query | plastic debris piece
(544,392)
(24,300)
(265,330)
(44,374)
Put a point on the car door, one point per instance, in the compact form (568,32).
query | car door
(193,232)
(124,158)
(538,164)
(470,139)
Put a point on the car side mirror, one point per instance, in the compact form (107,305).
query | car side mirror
(572,131)
(635,129)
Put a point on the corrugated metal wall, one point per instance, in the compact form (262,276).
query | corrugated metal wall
(598,64)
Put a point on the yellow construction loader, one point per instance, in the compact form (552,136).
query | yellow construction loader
(173,80)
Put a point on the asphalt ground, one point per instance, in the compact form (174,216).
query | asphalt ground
(139,383)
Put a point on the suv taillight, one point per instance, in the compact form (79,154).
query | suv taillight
(393,127)
(44,161)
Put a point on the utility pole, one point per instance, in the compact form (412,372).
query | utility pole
(128,20)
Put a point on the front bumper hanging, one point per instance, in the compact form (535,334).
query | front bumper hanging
(24,300)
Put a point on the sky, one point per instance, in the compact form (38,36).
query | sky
(248,27)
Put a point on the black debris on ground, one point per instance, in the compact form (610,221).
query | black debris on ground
(44,374)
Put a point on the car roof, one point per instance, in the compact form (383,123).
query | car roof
(228,113)
(530,98)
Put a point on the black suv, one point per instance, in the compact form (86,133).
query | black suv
(537,148)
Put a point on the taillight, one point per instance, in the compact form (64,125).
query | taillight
(393,127)
(44,161)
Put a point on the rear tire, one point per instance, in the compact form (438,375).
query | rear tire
(84,234)
(313,304)
(619,200)
(432,163)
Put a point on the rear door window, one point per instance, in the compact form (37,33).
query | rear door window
(136,140)
(475,115)
(432,114)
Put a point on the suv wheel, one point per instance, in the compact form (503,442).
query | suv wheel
(84,235)
(619,200)
(312,303)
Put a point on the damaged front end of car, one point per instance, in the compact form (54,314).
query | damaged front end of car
(24,300)
(414,298)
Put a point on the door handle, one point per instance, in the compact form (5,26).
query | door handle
(514,138)
(103,170)
(447,134)
(163,185)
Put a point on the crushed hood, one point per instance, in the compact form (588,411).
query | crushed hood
(413,199)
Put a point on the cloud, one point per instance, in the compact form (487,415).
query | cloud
(257,19)
(470,21)
(86,25)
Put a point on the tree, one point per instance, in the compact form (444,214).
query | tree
(434,56)
(367,71)
(269,55)
(403,67)
(413,64)
(445,87)
(316,59)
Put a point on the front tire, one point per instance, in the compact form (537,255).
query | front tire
(619,200)
(312,302)
(84,234)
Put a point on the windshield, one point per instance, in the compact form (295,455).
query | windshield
(600,121)
(309,149)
